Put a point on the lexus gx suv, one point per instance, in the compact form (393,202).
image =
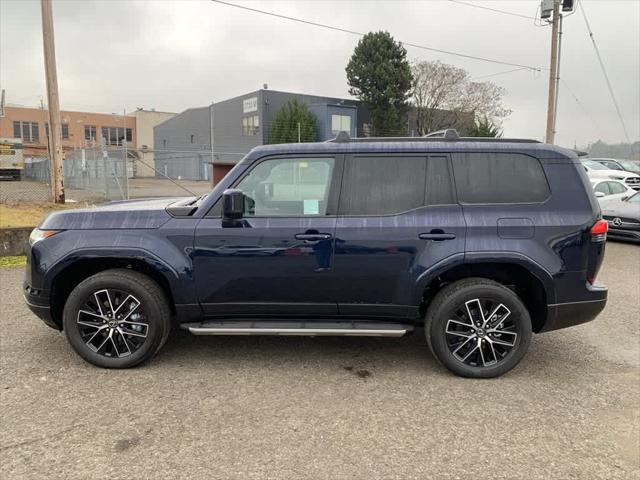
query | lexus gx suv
(474,243)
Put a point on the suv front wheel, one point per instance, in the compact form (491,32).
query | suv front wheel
(478,328)
(117,318)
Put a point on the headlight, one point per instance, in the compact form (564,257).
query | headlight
(37,235)
(616,177)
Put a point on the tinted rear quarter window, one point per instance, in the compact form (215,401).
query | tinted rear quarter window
(499,178)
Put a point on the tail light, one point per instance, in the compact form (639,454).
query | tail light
(599,231)
(596,249)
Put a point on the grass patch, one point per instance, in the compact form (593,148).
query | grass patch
(29,214)
(17,261)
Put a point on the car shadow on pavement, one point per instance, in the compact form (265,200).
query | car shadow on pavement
(350,352)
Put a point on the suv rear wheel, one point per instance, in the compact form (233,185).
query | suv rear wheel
(116,318)
(478,328)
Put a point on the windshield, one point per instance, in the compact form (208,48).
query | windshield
(594,165)
(629,165)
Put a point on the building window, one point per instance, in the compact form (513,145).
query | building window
(192,138)
(89,132)
(250,126)
(116,135)
(340,123)
(64,127)
(164,143)
(27,131)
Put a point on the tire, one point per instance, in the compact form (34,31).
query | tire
(472,350)
(102,339)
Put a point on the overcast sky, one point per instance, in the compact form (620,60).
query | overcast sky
(171,56)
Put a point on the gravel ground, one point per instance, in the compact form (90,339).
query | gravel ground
(334,408)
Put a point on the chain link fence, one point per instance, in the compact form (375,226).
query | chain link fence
(97,174)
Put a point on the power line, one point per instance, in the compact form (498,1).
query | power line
(505,12)
(353,32)
(604,72)
(575,97)
(500,73)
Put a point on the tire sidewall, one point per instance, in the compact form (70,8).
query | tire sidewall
(152,309)
(438,323)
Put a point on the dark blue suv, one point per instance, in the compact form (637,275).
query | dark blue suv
(478,243)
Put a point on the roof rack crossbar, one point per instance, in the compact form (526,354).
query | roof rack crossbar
(447,134)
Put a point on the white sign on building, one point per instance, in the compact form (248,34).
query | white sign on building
(250,105)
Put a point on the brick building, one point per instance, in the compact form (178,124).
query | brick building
(79,129)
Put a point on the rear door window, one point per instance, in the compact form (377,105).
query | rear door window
(499,178)
(382,185)
(387,185)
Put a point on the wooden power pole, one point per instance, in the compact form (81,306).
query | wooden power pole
(55,129)
(553,73)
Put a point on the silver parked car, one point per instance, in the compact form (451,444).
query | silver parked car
(623,215)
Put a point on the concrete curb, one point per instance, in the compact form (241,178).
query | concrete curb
(14,240)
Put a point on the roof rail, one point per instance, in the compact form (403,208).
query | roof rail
(343,137)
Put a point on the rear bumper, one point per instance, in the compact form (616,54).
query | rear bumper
(563,315)
(38,303)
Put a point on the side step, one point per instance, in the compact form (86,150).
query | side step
(298,327)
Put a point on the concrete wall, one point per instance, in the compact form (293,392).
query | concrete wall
(14,241)
(145,121)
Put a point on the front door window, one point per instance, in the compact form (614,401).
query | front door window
(288,187)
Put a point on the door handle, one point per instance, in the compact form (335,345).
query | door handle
(312,237)
(437,236)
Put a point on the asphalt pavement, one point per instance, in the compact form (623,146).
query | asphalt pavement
(325,408)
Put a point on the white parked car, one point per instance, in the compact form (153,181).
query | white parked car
(597,171)
(610,189)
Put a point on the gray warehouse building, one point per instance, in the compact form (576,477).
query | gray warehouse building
(183,143)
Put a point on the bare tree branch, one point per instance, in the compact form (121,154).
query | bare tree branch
(438,86)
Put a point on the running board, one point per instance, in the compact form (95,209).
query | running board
(302,327)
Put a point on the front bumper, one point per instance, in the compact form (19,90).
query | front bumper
(623,233)
(563,315)
(39,303)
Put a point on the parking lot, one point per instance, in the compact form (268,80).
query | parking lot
(334,408)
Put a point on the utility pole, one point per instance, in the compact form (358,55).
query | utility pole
(213,168)
(553,72)
(557,92)
(55,131)
(125,153)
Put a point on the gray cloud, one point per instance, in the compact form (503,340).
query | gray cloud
(175,55)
